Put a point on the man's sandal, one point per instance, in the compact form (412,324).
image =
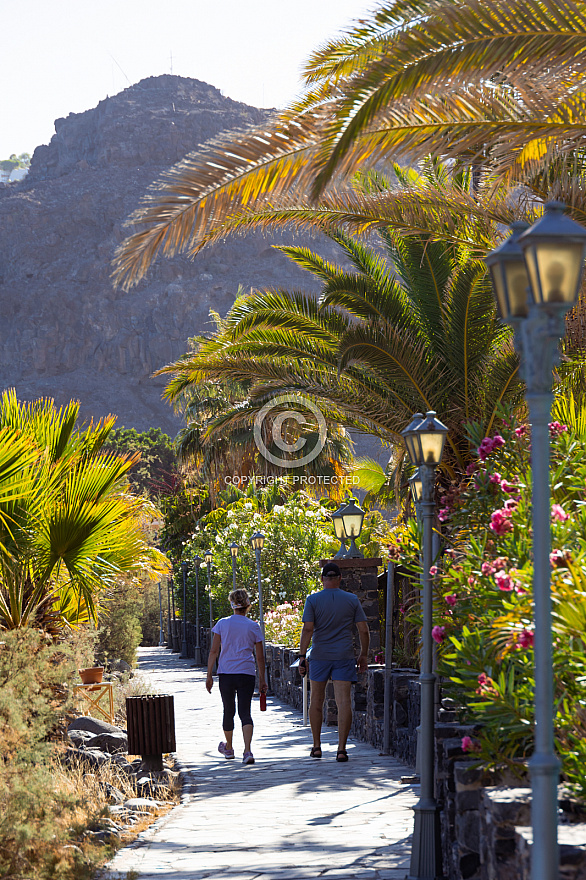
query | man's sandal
(342,755)
(315,752)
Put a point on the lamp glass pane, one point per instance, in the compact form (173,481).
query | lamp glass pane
(499,289)
(416,489)
(339,528)
(413,445)
(560,269)
(353,523)
(260,540)
(517,282)
(432,443)
(208,556)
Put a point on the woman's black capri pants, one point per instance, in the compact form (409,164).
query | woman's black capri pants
(232,685)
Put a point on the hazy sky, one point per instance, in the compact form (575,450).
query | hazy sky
(63,56)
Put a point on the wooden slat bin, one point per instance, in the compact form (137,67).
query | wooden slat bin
(150,722)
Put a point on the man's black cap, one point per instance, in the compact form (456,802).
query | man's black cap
(330,568)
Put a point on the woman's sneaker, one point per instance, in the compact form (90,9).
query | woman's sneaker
(248,758)
(225,751)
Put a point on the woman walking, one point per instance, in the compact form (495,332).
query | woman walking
(239,639)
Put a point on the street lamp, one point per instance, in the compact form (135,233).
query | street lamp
(536,275)
(352,519)
(174,635)
(425,437)
(170,635)
(184,567)
(257,540)
(234,552)
(161,633)
(208,558)
(340,532)
(197,561)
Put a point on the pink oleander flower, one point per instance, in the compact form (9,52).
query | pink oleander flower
(443,514)
(485,448)
(451,599)
(482,678)
(519,590)
(526,638)
(495,477)
(501,562)
(471,468)
(433,570)
(558,514)
(556,558)
(487,568)
(498,441)
(521,431)
(555,429)
(508,487)
(471,581)
(438,633)
(468,745)
(503,581)
(500,522)
(510,504)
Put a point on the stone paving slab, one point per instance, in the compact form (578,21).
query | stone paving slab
(287,817)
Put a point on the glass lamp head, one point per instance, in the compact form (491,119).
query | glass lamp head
(554,249)
(257,540)
(208,556)
(339,523)
(234,548)
(508,271)
(412,439)
(432,434)
(352,517)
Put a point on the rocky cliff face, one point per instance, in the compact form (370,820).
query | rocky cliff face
(65,332)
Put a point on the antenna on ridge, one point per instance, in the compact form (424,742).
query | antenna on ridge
(118,66)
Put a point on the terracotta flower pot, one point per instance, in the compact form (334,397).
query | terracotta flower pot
(92,675)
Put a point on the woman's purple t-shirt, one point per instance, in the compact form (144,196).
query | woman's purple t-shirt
(239,635)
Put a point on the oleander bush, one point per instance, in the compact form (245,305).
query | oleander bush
(483,606)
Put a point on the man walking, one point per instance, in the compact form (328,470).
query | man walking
(328,618)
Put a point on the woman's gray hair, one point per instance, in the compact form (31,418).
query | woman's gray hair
(239,599)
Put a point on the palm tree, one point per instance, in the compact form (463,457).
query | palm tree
(495,85)
(68,526)
(412,328)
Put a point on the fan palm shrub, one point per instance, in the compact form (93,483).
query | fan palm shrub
(68,526)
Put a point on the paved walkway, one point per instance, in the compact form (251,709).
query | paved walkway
(287,817)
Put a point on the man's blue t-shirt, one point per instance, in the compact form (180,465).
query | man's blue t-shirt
(333,613)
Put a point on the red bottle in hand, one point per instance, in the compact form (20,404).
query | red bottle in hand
(263,702)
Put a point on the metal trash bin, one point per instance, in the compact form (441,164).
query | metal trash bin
(151,728)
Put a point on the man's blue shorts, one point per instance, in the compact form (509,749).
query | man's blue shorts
(337,670)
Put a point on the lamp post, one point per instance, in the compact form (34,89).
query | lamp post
(340,532)
(161,633)
(184,567)
(234,552)
(208,558)
(197,560)
(352,518)
(174,637)
(536,275)
(170,635)
(257,540)
(425,437)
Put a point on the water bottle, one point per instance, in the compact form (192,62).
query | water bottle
(263,702)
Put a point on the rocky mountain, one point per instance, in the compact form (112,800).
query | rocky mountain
(65,331)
